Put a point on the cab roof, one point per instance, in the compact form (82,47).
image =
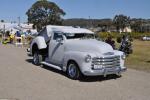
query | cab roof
(68,29)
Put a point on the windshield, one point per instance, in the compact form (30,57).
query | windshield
(79,36)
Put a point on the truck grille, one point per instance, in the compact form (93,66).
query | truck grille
(107,62)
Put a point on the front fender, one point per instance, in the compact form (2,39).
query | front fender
(77,56)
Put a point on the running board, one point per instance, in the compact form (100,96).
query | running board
(51,65)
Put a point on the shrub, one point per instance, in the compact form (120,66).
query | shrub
(104,35)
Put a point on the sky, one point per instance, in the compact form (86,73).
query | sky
(10,10)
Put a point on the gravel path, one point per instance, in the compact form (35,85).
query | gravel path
(22,80)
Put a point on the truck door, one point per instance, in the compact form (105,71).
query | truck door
(56,49)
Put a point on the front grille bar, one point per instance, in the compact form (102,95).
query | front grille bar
(107,61)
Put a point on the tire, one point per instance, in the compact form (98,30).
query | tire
(37,58)
(73,71)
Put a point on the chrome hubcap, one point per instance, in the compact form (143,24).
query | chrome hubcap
(35,58)
(72,70)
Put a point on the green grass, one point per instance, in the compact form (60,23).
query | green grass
(140,59)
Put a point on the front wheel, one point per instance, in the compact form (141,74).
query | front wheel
(37,58)
(73,71)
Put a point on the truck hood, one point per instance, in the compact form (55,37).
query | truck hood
(90,45)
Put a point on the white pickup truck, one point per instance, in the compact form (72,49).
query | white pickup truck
(76,52)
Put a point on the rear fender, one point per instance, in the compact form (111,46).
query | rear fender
(40,42)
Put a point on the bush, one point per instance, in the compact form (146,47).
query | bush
(104,35)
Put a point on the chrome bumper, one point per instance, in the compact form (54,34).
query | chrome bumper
(105,71)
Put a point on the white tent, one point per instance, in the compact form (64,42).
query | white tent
(14,27)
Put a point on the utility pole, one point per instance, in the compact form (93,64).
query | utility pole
(18,21)
(89,22)
(3,35)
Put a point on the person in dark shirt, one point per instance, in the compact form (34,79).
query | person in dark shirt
(18,34)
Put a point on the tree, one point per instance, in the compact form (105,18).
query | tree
(2,21)
(121,21)
(105,24)
(136,25)
(43,13)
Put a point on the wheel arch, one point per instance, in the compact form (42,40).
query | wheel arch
(72,61)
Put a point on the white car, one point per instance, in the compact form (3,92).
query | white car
(146,38)
(76,52)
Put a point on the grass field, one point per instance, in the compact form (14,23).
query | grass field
(140,59)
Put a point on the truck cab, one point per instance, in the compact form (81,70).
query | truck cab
(76,52)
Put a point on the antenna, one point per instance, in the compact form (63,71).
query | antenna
(18,21)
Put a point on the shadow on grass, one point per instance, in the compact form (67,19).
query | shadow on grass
(83,78)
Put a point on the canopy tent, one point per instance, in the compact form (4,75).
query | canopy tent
(14,27)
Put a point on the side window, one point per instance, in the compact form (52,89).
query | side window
(57,35)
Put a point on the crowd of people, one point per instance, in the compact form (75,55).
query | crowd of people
(17,37)
(125,43)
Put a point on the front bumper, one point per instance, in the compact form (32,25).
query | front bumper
(105,71)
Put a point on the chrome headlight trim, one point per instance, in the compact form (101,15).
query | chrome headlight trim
(88,58)
(123,57)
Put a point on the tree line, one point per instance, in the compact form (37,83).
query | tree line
(136,24)
(44,12)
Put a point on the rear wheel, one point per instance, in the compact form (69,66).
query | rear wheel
(37,58)
(73,71)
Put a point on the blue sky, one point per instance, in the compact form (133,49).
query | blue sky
(11,9)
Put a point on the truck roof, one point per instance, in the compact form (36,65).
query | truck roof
(68,29)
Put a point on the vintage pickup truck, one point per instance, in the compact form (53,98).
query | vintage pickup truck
(76,52)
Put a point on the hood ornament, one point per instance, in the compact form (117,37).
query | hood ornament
(109,53)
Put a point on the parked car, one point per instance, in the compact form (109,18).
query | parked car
(146,38)
(76,52)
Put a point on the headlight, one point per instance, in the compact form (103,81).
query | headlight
(123,57)
(88,58)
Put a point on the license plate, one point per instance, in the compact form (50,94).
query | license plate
(98,67)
